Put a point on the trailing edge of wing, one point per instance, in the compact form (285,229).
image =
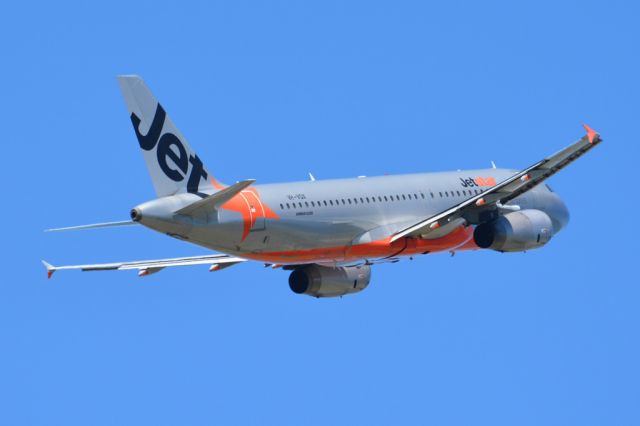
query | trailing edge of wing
(508,189)
(146,267)
(213,201)
(93,226)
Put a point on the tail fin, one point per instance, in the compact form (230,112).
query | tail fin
(174,167)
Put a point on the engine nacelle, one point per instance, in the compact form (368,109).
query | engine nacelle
(516,231)
(324,281)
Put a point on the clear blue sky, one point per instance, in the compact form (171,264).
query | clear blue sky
(273,90)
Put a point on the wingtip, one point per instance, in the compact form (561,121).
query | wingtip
(591,134)
(50,268)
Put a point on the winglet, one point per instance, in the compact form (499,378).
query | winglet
(591,134)
(50,269)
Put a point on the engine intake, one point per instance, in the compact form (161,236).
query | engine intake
(323,281)
(515,231)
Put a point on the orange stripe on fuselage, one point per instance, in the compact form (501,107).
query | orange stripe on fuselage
(460,239)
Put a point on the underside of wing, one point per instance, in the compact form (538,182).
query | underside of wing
(147,267)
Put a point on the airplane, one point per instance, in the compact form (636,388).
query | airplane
(329,233)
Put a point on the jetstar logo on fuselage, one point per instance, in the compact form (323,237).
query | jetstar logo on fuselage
(479,181)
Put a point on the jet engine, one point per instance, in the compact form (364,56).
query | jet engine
(324,281)
(515,231)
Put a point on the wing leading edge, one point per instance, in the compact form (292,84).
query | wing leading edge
(508,189)
(147,267)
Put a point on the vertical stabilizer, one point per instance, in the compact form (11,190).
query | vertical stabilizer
(174,167)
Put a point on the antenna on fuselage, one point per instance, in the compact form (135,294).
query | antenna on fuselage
(311,178)
(493,165)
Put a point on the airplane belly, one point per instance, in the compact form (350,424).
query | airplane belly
(460,239)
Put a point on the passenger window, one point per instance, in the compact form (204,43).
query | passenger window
(325,202)
(380,198)
(458,193)
(288,206)
(300,204)
(313,204)
(361,200)
(440,194)
(432,196)
(343,202)
(404,198)
(349,200)
(331,202)
(385,198)
(281,206)
(306,203)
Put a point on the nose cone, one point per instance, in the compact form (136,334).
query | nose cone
(559,213)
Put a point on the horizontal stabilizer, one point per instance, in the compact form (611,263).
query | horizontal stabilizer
(213,201)
(93,226)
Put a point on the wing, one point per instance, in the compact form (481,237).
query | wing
(506,190)
(147,267)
